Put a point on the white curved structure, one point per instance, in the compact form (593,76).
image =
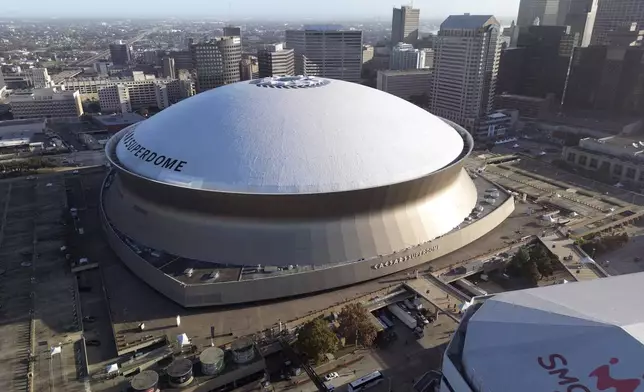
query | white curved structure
(314,183)
(265,138)
(577,337)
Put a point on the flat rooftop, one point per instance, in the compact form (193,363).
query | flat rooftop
(401,72)
(591,120)
(67,74)
(524,98)
(118,119)
(620,141)
(30,126)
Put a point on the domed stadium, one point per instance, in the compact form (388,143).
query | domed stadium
(284,186)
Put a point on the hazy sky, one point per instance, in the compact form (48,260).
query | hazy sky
(256,9)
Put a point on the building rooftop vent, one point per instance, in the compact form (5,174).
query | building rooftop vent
(291,82)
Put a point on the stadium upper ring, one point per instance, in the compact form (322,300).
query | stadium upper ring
(309,135)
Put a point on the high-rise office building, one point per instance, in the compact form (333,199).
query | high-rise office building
(115,99)
(182,60)
(465,69)
(327,51)
(245,69)
(538,66)
(606,79)
(102,68)
(509,36)
(367,53)
(404,25)
(232,31)
(615,15)
(151,57)
(405,84)
(169,70)
(274,60)
(578,14)
(404,56)
(120,53)
(2,84)
(216,62)
(626,36)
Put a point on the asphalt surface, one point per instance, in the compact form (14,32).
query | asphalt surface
(36,281)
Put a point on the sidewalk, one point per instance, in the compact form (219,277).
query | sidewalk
(443,299)
(332,366)
(565,247)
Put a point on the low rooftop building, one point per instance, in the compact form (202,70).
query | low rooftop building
(116,122)
(615,159)
(46,103)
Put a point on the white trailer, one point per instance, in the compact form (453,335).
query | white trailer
(403,316)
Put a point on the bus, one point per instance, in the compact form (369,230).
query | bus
(380,326)
(366,382)
(385,320)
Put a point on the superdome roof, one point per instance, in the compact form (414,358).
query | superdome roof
(532,340)
(289,135)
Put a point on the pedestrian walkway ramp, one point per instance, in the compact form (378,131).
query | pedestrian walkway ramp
(441,295)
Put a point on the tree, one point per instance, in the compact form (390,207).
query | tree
(541,258)
(516,266)
(521,266)
(355,325)
(531,273)
(316,339)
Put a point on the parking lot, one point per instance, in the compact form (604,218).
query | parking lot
(37,293)
(627,259)
(83,195)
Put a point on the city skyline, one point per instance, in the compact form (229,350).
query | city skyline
(256,9)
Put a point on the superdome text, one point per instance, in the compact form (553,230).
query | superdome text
(148,155)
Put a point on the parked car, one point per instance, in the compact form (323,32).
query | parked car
(331,376)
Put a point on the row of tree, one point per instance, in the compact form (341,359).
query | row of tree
(22,166)
(599,245)
(317,338)
(532,263)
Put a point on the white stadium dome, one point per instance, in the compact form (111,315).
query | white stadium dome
(293,135)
